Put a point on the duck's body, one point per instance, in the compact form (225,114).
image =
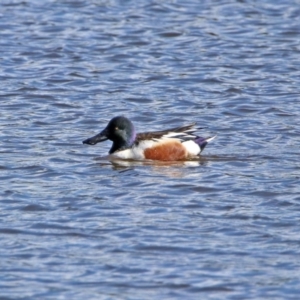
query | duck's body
(174,144)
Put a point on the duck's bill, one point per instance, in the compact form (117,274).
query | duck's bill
(100,137)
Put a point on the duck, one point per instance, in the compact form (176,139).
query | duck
(179,143)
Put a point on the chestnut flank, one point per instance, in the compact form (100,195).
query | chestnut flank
(171,150)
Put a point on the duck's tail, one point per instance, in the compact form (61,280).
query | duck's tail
(202,142)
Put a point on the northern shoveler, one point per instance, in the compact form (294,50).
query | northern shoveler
(173,144)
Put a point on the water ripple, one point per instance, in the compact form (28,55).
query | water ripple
(74,224)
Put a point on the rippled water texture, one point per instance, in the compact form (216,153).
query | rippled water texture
(76,226)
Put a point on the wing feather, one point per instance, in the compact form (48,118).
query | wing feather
(181,133)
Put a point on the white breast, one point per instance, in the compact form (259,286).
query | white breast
(136,152)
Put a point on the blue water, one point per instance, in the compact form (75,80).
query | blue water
(76,226)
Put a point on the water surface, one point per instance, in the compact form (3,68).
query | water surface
(74,225)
